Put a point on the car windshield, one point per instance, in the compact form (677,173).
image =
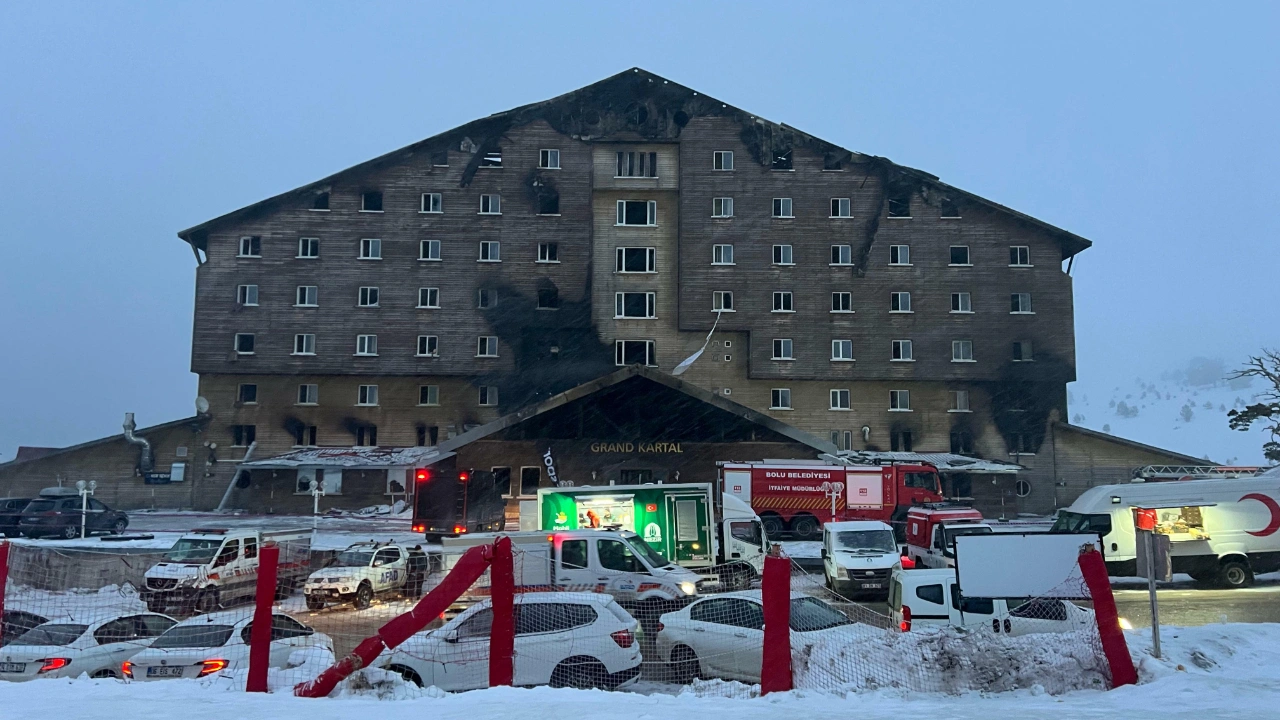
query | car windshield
(353,558)
(197,551)
(1073,522)
(51,634)
(953,533)
(39,506)
(651,557)
(870,541)
(194,636)
(809,614)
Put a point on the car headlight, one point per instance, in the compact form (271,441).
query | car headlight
(344,579)
(689,588)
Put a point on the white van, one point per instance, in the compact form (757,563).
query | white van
(930,598)
(858,557)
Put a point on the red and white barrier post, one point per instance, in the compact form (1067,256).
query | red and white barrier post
(260,635)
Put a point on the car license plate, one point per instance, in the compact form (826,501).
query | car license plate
(872,586)
(155,671)
(12,667)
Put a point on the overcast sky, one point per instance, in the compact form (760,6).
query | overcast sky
(1148,128)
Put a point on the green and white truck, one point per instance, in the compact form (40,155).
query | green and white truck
(718,536)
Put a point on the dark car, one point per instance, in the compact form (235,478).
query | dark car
(10,511)
(61,514)
(17,622)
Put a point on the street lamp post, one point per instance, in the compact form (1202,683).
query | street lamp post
(833,491)
(86,489)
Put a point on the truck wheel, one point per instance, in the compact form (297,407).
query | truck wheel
(207,601)
(773,526)
(1235,574)
(315,602)
(364,596)
(806,527)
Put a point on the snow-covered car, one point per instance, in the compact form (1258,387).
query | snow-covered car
(70,647)
(364,570)
(562,639)
(208,644)
(722,636)
(930,597)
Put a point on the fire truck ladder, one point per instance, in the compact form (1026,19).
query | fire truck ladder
(1192,472)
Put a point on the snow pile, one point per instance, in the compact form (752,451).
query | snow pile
(949,660)
(73,603)
(382,684)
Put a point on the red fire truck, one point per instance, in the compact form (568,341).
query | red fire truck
(788,495)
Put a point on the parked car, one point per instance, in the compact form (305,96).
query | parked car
(722,636)
(366,569)
(208,644)
(17,622)
(74,646)
(858,556)
(58,511)
(10,513)
(562,639)
(925,598)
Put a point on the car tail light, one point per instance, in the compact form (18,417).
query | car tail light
(661,627)
(624,638)
(51,664)
(905,625)
(908,563)
(419,528)
(126,668)
(459,529)
(208,667)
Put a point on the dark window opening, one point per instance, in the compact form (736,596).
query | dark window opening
(530,479)
(949,208)
(961,442)
(242,435)
(428,435)
(636,213)
(636,260)
(831,162)
(637,164)
(1022,351)
(900,204)
(440,159)
(548,298)
(900,441)
(367,436)
(782,160)
(492,159)
(1021,443)
(637,477)
(549,203)
(304,435)
(633,352)
(371,201)
(320,201)
(486,298)
(248,393)
(244,343)
(959,254)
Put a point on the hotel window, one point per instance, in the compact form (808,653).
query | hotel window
(722,207)
(959,401)
(247,295)
(428,394)
(308,394)
(636,260)
(368,297)
(722,160)
(722,301)
(900,302)
(961,302)
(243,435)
(839,399)
(320,201)
(782,349)
(840,208)
(367,395)
(371,201)
(432,203)
(961,442)
(1020,304)
(366,345)
(638,212)
(960,255)
(428,346)
(429,250)
(841,254)
(244,343)
(780,399)
(1019,256)
(530,479)
(899,254)
(721,254)
(304,344)
(961,351)
(637,164)
(308,247)
(900,400)
(900,204)
(366,436)
(548,298)
(782,302)
(370,249)
(490,251)
(1022,351)
(634,352)
(250,247)
(782,160)
(549,159)
(902,351)
(487,346)
(486,298)
(842,350)
(307,296)
(548,253)
(900,440)
(783,255)
(304,436)
(247,394)
(490,204)
(842,439)
(949,209)
(841,302)
(492,159)
(636,305)
(782,208)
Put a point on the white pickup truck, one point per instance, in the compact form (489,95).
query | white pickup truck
(214,568)
(366,569)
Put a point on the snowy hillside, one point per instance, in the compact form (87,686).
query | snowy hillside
(1183,410)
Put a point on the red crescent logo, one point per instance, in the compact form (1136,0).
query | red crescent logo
(1273,506)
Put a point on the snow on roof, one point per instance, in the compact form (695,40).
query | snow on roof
(351,457)
(945,462)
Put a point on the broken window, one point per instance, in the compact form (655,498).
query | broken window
(961,442)
(429,250)
(842,350)
(900,400)
(486,298)
(247,295)
(549,159)
(1022,351)
(492,159)
(834,163)
(428,395)
(900,441)
(634,352)
(900,203)
(429,297)
(304,436)
(490,204)
(961,351)
(428,435)
(1019,256)
(783,255)
(782,208)
(637,212)
(782,160)
(780,399)
(428,346)
(244,343)
(637,164)
(841,302)
(432,203)
(548,298)
(960,255)
(371,201)
(721,254)
(487,346)
(440,158)
(840,208)
(308,394)
(961,302)
(782,302)
(530,479)
(548,253)
(782,349)
(250,247)
(902,351)
(959,401)
(722,207)
(722,160)
(367,436)
(242,435)
(490,251)
(320,201)
(309,247)
(488,395)
(839,399)
(1020,303)
(841,254)
(304,344)
(367,395)
(635,305)
(722,301)
(900,302)
(899,254)
(1021,443)
(949,208)
(548,202)
(636,260)
(248,393)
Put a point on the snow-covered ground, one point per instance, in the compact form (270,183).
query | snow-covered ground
(1216,671)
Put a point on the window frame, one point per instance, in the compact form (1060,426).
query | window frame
(432,293)
(366,196)
(838,395)
(620,305)
(1022,309)
(308,394)
(486,298)
(717,301)
(253,343)
(719,249)
(548,253)
(902,351)
(367,248)
(842,343)
(429,245)
(366,395)
(837,298)
(492,249)
(254,243)
(957,351)
(958,302)
(900,250)
(305,293)
(779,395)
(951,256)
(240,393)
(788,300)
(308,244)
(431,203)
(841,207)
(787,352)
(369,341)
(718,157)
(625,159)
(1023,351)
(896,304)
(841,255)
(304,352)
(546,156)
(651,213)
(492,201)
(486,346)
(1017,253)
(620,352)
(783,208)
(719,206)
(959,401)
(428,391)
(369,296)
(784,249)
(431,343)
(620,260)
(487,396)
(896,401)
(244,294)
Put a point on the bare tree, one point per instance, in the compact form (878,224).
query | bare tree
(1267,367)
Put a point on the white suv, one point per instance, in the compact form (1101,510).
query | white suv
(364,570)
(562,639)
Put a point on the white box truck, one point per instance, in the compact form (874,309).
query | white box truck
(1221,530)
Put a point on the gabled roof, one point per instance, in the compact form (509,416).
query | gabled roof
(1107,437)
(197,421)
(632,105)
(612,379)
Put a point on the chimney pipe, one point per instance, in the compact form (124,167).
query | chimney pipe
(146,462)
